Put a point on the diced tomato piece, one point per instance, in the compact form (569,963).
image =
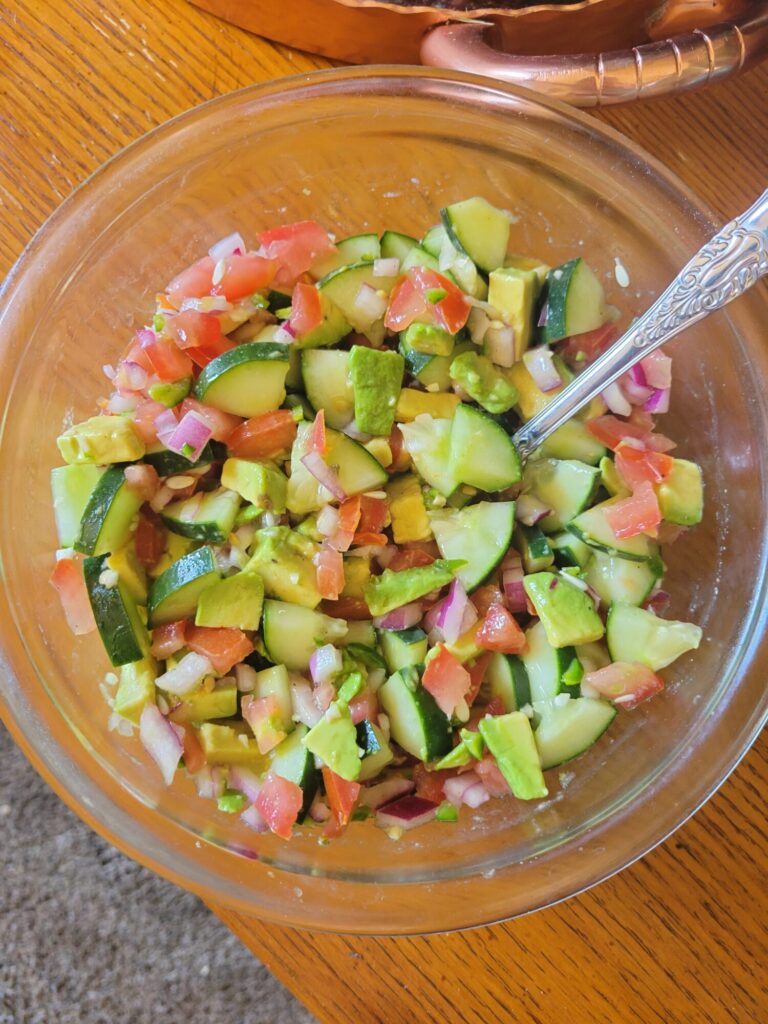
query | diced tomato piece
(349,514)
(406,305)
(375,540)
(491,776)
(452,311)
(68,581)
(429,785)
(144,416)
(264,436)
(347,608)
(317,438)
(447,680)
(373,514)
(168,639)
(222,424)
(484,597)
(199,335)
(244,275)
(342,795)
(639,513)
(582,349)
(638,465)
(136,354)
(625,683)
(500,632)
(409,558)
(477,671)
(295,248)
(194,282)
(365,705)
(279,803)
(657,368)
(150,541)
(611,431)
(169,363)
(495,706)
(223,647)
(306,309)
(193,754)
(330,572)
(263,716)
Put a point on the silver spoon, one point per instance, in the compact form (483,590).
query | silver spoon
(722,270)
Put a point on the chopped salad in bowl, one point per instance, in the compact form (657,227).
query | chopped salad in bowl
(328,586)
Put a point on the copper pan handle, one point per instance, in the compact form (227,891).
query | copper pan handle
(592,80)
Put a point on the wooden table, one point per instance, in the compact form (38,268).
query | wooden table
(679,937)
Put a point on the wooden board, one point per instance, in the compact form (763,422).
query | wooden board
(679,938)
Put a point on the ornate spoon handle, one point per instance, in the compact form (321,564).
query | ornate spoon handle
(729,264)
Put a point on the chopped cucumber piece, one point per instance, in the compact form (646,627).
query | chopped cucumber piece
(593,528)
(549,670)
(246,381)
(575,299)
(117,616)
(108,515)
(479,230)
(292,633)
(344,286)
(403,648)
(473,432)
(479,534)
(565,486)
(508,678)
(174,594)
(634,634)
(621,580)
(358,471)
(568,730)
(396,246)
(206,516)
(71,487)
(327,384)
(416,722)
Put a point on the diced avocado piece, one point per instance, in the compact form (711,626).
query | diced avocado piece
(334,740)
(101,440)
(261,483)
(377,376)
(681,495)
(635,634)
(567,613)
(136,689)
(226,744)
(170,394)
(413,403)
(407,509)
(357,573)
(231,802)
(72,487)
(283,559)
(204,704)
(379,448)
(132,573)
(513,292)
(447,812)
(457,758)
(510,739)
(377,753)
(234,602)
(391,589)
(538,266)
(428,339)
(610,479)
(483,382)
(403,648)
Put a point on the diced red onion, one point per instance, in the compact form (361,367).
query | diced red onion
(207,304)
(386,791)
(187,675)
(456,786)
(285,334)
(305,709)
(120,404)
(319,810)
(478,323)
(325,663)
(165,424)
(634,387)
(328,520)
(193,432)
(454,610)
(530,510)
(146,336)
(161,741)
(161,498)
(324,694)
(253,819)
(232,245)
(109,371)
(370,303)
(404,617)
(204,783)
(384,555)
(476,795)
(406,813)
(131,377)
(246,781)
(324,474)
(245,676)
(659,401)
(543,315)
(389,267)
(540,366)
(657,368)
(614,398)
(500,345)
(658,602)
(351,431)
(514,591)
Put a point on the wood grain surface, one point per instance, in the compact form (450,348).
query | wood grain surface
(680,937)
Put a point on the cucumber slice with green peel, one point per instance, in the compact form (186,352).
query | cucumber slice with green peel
(594,529)
(377,752)
(206,516)
(534,548)
(291,760)
(358,471)
(403,648)
(268,335)
(343,288)
(245,381)
(430,370)
(168,463)
(564,485)
(569,730)
(570,551)
(474,433)
(550,670)
(637,635)
(575,301)
(416,722)
(331,329)
(355,249)
(621,580)
(419,257)
(434,240)
(117,615)
(508,679)
(292,633)
(479,230)
(479,534)
(108,515)
(359,631)
(327,384)
(71,487)
(175,593)
(454,264)
(428,442)
(273,682)
(573,441)
(395,245)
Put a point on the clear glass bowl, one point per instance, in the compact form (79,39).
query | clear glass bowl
(368,148)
